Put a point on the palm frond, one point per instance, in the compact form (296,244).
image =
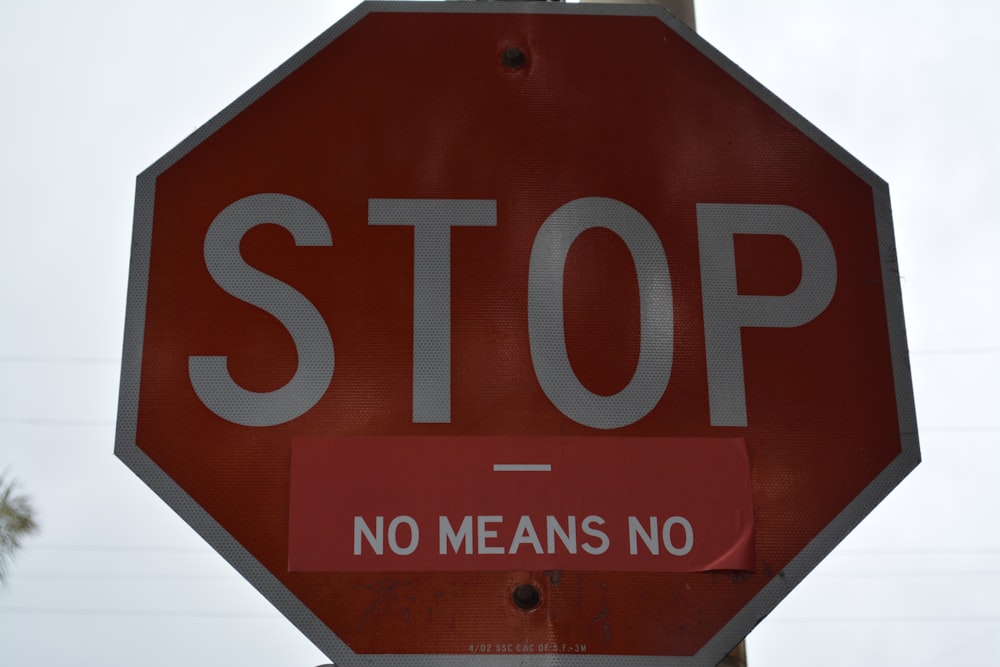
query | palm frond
(17,521)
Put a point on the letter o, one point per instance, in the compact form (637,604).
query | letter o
(688,536)
(414,536)
(546,328)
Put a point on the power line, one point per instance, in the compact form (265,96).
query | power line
(905,551)
(889,551)
(959,429)
(40,359)
(84,576)
(885,619)
(45,359)
(55,421)
(911,574)
(75,611)
(961,648)
(63,576)
(104,423)
(957,350)
(123,548)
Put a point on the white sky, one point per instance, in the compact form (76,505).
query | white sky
(93,93)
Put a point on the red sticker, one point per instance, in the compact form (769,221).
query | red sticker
(494,503)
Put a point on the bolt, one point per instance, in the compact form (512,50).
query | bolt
(527,597)
(513,58)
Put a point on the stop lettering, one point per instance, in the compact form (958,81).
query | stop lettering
(726,311)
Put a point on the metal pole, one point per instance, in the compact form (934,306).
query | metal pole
(737,658)
(684,10)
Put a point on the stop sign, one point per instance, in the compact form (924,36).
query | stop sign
(530,334)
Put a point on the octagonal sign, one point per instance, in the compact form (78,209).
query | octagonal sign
(522,334)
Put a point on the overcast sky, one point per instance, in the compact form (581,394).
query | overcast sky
(94,92)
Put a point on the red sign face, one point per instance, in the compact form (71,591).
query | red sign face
(472,299)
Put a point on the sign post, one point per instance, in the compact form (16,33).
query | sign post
(515,333)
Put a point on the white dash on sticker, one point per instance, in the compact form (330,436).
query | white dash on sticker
(522,467)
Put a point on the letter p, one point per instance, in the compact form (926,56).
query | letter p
(727,312)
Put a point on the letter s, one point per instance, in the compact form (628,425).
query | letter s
(210,375)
